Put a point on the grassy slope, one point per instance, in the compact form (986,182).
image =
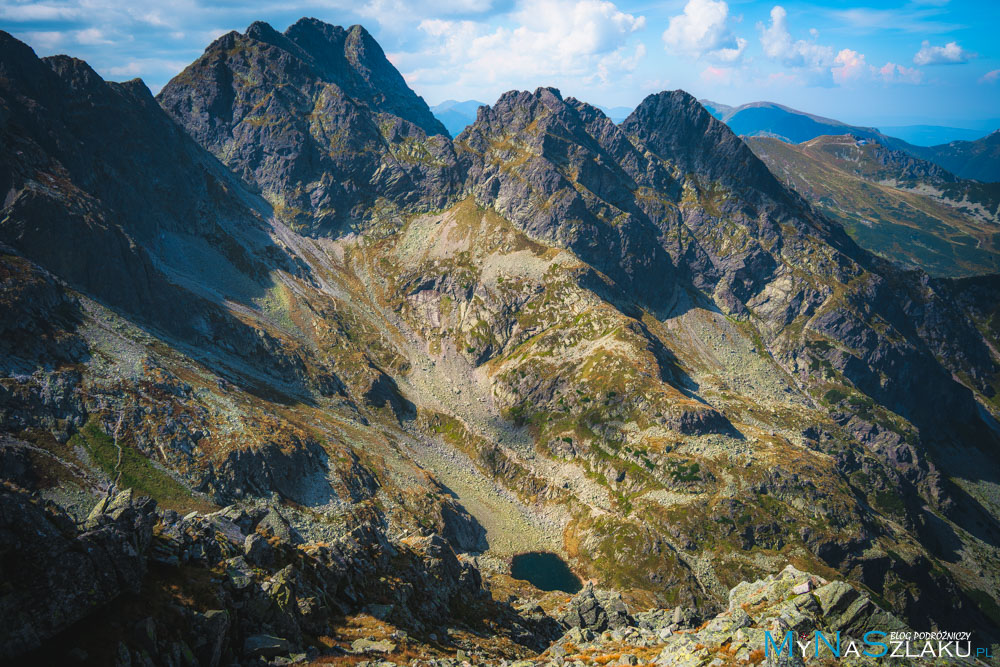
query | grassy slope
(137,471)
(907,227)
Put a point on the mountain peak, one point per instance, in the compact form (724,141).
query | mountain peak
(279,108)
(262,30)
(312,23)
(679,129)
(18,63)
(548,97)
(75,72)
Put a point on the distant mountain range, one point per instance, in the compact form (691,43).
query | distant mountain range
(932,135)
(456,116)
(906,209)
(767,119)
(977,159)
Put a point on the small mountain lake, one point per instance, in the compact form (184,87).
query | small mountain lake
(546,571)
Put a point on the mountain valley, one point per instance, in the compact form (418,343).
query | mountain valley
(290,375)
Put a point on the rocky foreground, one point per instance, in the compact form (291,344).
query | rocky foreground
(133,585)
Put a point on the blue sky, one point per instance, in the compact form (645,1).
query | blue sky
(872,63)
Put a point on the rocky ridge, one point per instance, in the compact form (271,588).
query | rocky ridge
(243,591)
(791,601)
(237,586)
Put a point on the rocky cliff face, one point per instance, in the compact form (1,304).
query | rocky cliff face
(56,576)
(318,119)
(537,160)
(627,344)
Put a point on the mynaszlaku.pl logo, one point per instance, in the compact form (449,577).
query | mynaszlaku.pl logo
(876,644)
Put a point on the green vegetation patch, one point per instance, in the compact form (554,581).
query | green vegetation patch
(137,472)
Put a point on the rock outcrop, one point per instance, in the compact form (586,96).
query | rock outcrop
(597,611)
(272,598)
(791,601)
(54,575)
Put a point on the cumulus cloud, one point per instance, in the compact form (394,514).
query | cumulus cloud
(143,67)
(817,64)
(949,54)
(92,36)
(811,60)
(45,39)
(701,30)
(849,65)
(778,44)
(584,40)
(990,77)
(893,73)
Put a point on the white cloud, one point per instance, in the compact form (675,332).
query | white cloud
(818,64)
(131,69)
(39,12)
(949,54)
(46,39)
(92,36)
(849,66)
(779,45)
(990,77)
(142,67)
(404,14)
(893,73)
(586,40)
(731,54)
(702,30)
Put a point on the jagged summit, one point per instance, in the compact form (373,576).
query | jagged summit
(349,57)
(544,163)
(679,129)
(317,118)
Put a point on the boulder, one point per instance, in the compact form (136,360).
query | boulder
(258,551)
(54,576)
(369,646)
(266,646)
(597,611)
(212,631)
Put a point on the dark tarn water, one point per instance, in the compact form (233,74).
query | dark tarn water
(546,571)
